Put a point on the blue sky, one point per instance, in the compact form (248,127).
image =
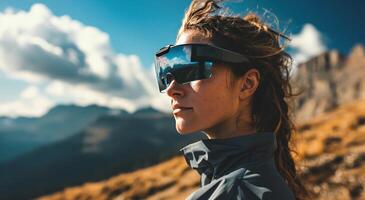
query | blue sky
(134,31)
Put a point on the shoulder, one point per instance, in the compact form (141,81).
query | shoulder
(243,184)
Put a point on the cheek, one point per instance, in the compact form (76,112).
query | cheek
(214,104)
(211,93)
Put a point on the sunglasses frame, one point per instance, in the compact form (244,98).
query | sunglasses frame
(202,53)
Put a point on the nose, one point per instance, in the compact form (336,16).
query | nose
(174,89)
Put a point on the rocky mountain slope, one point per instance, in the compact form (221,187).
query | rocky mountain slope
(329,80)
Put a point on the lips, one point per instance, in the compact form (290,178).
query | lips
(179,108)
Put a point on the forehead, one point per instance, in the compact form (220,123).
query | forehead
(196,37)
(192,37)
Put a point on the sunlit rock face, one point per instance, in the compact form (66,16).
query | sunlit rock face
(329,80)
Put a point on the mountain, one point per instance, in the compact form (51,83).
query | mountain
(329,80)
(331,153)
(21,135)
(331,148)
(110,145)
(146,110)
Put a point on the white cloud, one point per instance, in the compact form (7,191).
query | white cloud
(30,92)
(308,43)
(31,102)
(56,88)
(83,95)
(76,60)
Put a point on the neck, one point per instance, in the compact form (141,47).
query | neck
(238,125)
(229,130)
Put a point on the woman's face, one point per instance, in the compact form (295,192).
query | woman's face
(208,105)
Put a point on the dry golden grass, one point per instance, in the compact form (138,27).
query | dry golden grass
(331,151)
(171,179)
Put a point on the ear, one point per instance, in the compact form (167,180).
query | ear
(249,83)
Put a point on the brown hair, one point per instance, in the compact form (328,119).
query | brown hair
(270,109)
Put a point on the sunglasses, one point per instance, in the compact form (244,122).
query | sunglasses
(190,62)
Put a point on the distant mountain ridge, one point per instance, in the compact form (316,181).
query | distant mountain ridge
(20,135)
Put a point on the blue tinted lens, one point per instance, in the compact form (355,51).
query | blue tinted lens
(176,64)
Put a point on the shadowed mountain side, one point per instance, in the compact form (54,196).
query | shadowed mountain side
(331,149)
(111,145)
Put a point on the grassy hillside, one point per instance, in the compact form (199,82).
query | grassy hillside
(331,153)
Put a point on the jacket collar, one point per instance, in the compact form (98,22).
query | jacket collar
(208,155)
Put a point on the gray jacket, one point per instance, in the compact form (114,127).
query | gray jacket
(239,168)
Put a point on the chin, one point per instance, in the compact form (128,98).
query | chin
(185,130)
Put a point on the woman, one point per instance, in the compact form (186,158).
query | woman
(228,77)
